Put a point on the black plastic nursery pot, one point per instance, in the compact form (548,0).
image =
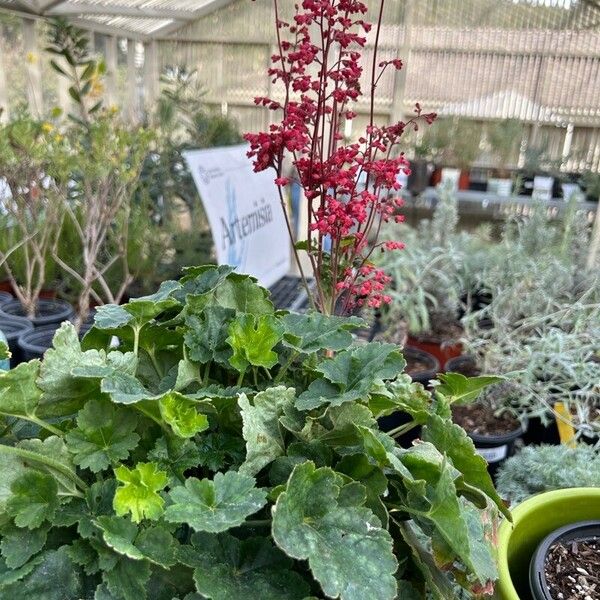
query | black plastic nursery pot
(539,433)
(5,297)
(419,177)
(428,368)
(583,531)
(495,449)
(13,328)
(49,312)
(465,364)
(35,342)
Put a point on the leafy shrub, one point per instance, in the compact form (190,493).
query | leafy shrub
(232,451)
(538,469)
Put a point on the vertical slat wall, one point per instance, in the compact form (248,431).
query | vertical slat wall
(534,60)
(537,61)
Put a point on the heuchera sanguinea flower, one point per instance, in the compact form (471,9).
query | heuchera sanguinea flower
(351,188)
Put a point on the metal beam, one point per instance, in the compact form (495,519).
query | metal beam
(204,10)
(75,8)
(28,6)
(90,25)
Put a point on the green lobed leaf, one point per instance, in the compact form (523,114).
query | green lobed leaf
(19,393)
(175,456)
(158,546)
(252,340)
(182,415)
(314,331)
(348,552)
(216,505)
(34,499)
(119,534)
(351,375)
(11,467)
(53,577)
(228,568)
(4,351)
(460,389)
(51,456)
(453,441)
(139,493)
(19,545)
(127,579)
(139,311)
(104,436)
(206,335)
(432,499)
(261,428)
(232,290)
(124,388)
(63,392)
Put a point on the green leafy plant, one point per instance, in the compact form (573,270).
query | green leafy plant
(105,160)
(33,160)
(537,469)
(73,60)
(427,283)
(504,138)
(226,450)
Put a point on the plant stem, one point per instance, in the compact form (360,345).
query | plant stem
(402,429)
(50,462)
(286,366)
(44,425)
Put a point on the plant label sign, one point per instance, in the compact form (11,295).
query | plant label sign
(244,212)
(493,455)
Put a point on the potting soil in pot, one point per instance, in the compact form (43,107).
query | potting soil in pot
(572,570)
(481,420)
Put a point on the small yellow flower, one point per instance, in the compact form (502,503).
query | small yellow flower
(47,127)
(31,58)
(58,138)
(97,88)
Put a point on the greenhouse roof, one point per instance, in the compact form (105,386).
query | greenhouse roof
(143,19)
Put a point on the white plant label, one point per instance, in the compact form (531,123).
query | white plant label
(244,212)
(493,455)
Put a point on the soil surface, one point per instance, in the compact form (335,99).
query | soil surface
(572,570)
(480,419)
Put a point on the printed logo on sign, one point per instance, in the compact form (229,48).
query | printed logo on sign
(207,175)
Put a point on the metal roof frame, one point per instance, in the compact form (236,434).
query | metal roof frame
(144,20)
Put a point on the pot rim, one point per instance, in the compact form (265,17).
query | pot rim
(522,512)
(434,366)
(539,584)
(505,438)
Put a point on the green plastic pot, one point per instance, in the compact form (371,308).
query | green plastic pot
(533,520)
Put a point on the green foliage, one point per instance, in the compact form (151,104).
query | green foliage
(73,60)
(139,493)
(505,138)
(537,469)
(224,450)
